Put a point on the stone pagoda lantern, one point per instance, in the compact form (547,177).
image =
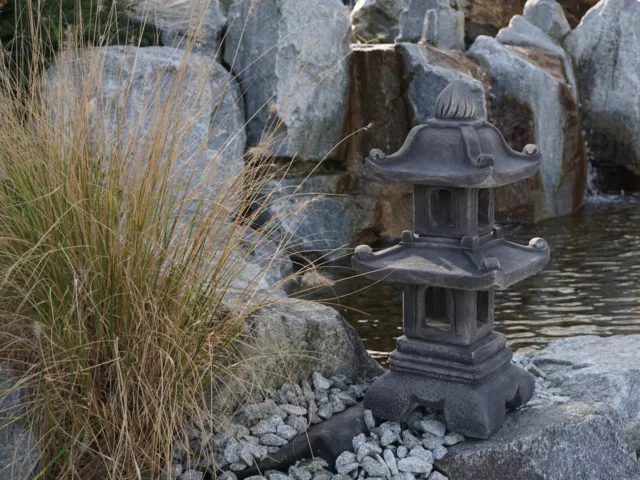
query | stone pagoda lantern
(450,358)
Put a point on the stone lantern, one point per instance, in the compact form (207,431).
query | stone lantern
(450,358)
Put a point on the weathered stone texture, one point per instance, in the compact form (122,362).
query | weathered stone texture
(376,21)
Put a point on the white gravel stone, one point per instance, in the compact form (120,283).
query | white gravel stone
(319,382)
(325,411)
(366,450)
(238,466)
(430,441)
(272,440)
(299,424)
(387,438)
(294,410)
(230,453)
(277,476)
(453,438)
(374,468)
(439,452)
(414,465)
(262,428)
(191,475)
(227,476)
(345,458)
(402,451)
(258,451)
(437,476)
(369,421)
(340,477)
(394,427)
(244,452)
(298,473)
(347,468)
(286,432)
(422,454)
(409,440)
(346,399)
(358,440)
(390,460)
(434,427)
(256,477)
(313,413)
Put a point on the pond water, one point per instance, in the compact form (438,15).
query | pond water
(590,287)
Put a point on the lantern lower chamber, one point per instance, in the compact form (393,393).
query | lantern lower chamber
(451,264)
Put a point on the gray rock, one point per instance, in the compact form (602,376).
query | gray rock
(201,22)
(211,152)
(549,16)
(18,450)
(336,405)
(358,440)
(231,452)
(430,441)
(286,432)
(553,442)
(290,57)
(309,217)
(387,438)
(325,411)
(227,476)
(453,438)
(443,28)
(414,465)
(272,440)
(314,418)
(258,451)
(293,410)
(391,462)
(374,468)
(402,451)
(191,475)
(376,21)
(299,424)
(277,476)
(437,476)
(433,427)
(259,411)
(256,477)
(439,452)
(245,454)
(262,428)
(422,454)
(345,458)
(322,475)
(272,256)
(238,466)
(533,83)
(369,421)
(346,399)
(293,338)
(366,450)
(319,382)
(604,51)
(391,426)
(298,473)
(409,440)
(340,477)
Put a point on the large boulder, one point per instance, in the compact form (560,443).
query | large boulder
(533,102)
(18,450)
(290,57)
(308,216)
(394,88)
(199,22)
(136,94)
(606,51)
(587,425)
(376,21)
(289,340)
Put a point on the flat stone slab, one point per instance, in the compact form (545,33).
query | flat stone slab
(588,428)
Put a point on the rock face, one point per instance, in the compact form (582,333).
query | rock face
(288,341)
(376,21)
(534,103)
(591,434)
(486,17)
(606,53)
(290,59)
(200,21)
(548,16)
(18,450)
(310,218)
(439,22)
(195,88)
(388,98)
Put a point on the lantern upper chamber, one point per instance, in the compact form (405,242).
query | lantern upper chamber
(451,264)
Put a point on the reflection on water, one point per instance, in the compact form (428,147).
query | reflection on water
(591,285)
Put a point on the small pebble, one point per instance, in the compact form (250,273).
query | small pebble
(348,468)
(323,475)
(298,473)
(359,440)
(369,421)
(319,382)
(434,427)
(299,424)
(227,476)
(191,475)
(244,452)
(325,411)
(256,477)
(366,450)
(262,428)
(238,466)
(402,451)
(414,465)
(390,460)
(437,476)
(388,437)
(452,439)
(422,454)
(439,452)
(430,441)
(258,451)
(272,440)
(294,410)
(230,453)
(374,468)
(345,458)
(277,476)
(286,432)
(409,440)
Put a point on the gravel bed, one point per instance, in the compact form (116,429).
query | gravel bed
(391,450)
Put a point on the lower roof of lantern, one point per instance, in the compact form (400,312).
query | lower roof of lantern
(497,264)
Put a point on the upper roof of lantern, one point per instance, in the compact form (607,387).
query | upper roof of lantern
(455,149)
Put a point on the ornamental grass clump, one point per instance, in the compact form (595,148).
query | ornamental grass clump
(116,265)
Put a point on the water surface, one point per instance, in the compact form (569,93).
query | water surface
(590,287)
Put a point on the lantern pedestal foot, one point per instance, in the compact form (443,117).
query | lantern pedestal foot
(473,409)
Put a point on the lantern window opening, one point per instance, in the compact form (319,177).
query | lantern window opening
(438,308)
(484,208)
(482,307)
(441,209)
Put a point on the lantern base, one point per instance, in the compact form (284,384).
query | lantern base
(474,410)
